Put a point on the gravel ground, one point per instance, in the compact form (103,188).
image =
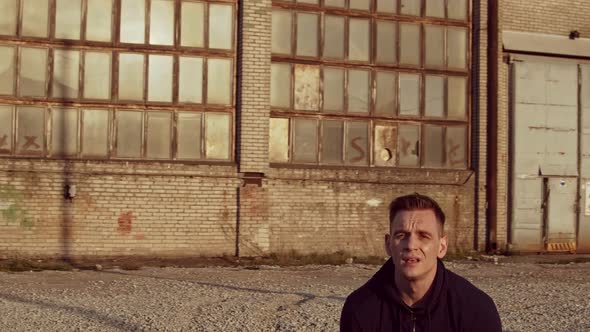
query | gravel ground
(530,297)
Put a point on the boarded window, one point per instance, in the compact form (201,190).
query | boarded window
(160,78)
(334,37)
(95,133)
(357,143)
(162,22)
(280,85)
(457,48)
(33,72)
(385,146)
(131,76)
(189,135)
(360,4)
(435,8)
(31,130)
(278,143)
(333,89)
(307,34)
(358,91)
(410,7)
(409,94)
(132,21)
(281,31)
(457,97)
(5,129)
(35,18)
(8,19)
(307,87)
(192,24)
(159,135)
(386,93)
(190,80)
(409,44)
(386,42)
(434,153)
(97,75)
(68,19)
(129,134)
(434,96)
(64,132)
(66,71)
(435,41)
(221,26)
(332,138)
(7,66)
(408,145)
(387,6)
(99,20)
(219,81)
(218,135)
(358,40)
(305,140)
(457,9)
(456,147)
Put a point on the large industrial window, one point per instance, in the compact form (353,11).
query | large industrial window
(118,79)
(370,83)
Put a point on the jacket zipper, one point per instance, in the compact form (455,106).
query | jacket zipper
(413,321)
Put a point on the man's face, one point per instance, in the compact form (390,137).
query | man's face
(414,244)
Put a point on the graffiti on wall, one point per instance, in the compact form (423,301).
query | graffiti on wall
(125,222)
(12,208)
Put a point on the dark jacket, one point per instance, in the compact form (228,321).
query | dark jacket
(451,304)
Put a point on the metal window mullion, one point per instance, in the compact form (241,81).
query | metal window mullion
(19,14)
(51,19)
(144,129)
(84,20)
(147,21)
(204,135)
(116,22)
(206,25)
(146,66)
(49,70)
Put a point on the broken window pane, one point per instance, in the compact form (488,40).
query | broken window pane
(9,10)
(68,19)
(305,140)
(334,3)
(387,6)
(456,147)
(31,130)
(307,87)
(433,146)
(278,144)
(386,42)
(357,143)
(410,7)
(332,138)
(99,20)
(360,4)
(409,44)
(457,9)
(189,135)
(162,22)
(7,67)
(386,93)
(457,97)
(190,80)
(434,96)
(160,78)
(64,132)
(334,37)
(307,34)
(457,47)
(95,133)
(280,85)
(409,94)
(221,27)
(5,129)
(192,25)
(35,18)
(219,81)
(358,40)
(159,135)
(33,72)
(131,76)
(129,134)
(385,145)
(66,72)
(132,21)
(435,41)
(217,141)
(408,145)
(333,89)
(358,91)
(97,75)
(282,21)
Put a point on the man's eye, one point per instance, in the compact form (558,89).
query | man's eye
(399,236)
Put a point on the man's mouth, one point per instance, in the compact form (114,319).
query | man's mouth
(410,260)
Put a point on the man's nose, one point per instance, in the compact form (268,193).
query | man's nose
(411,242)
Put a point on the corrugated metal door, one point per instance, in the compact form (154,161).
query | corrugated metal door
(584,219)
(561,210)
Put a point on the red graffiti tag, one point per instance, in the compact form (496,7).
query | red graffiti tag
(31,142)
(125,222)
(357,148)
(454,158)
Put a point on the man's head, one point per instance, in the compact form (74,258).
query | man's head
(416,239)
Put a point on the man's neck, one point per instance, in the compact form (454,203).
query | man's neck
(412,291)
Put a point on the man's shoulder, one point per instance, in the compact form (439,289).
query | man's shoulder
(362,297)
(462,288)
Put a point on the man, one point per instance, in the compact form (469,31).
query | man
(413,291)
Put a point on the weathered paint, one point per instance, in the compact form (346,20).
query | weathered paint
(11,207)
(584,216)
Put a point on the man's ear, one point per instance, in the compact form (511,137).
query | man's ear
(444,245)
(388,244)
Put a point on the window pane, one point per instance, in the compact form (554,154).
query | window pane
(385,145)
(95,133)
(386,42)
(357,143)
(360,4)
(334,89)
(64,131)
(129,134)
(132,21)
(99,20)
(358,91)
(433,146)
(131,76)
(190,80)
(456,147)
(35,18)
(219,81)
(162,22)
(410,44)
(189,135)
(159,131)
(358,42)
(387,6)
(221,26)
(409,94)
(332,138)
(313,2)
(457,47)
(278,144)
(334,3)
(410,7)
(435,8)
(307,87)
(435,41)
(97,75)
(68,19)
(5,129)
(408,145)
(160,78)
(66,73)
(434,96)
(334,37)
(33,72)
(457,99)
(386,93)
(218,129)
(280,85)
(8,19)
(31,130)
(192,28)
(305,141)
(307,34)
(281,31)
(7,70)
(457,9)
